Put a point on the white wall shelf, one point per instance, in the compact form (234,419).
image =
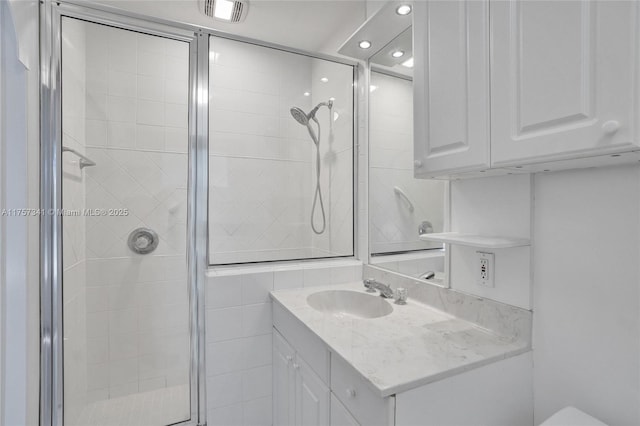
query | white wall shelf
(472,240)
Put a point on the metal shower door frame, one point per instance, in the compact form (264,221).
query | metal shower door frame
(51,331)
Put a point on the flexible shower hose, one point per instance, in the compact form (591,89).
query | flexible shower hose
(318,194)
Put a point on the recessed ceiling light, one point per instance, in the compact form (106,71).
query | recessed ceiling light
(324,79)
(307,94)
(408,63)
(364,44)
(398,54)
(403,9)
(223,9)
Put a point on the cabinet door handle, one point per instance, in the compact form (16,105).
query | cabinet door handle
(351,393)
(610,127)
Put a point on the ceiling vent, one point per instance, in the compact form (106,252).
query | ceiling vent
(225,10)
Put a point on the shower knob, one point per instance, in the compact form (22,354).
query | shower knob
(143,240)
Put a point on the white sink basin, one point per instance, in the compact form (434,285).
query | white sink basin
(347,303)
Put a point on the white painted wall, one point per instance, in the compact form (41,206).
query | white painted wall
(586,293)
(19,133)
(493,206)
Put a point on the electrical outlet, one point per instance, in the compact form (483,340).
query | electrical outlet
(485,269)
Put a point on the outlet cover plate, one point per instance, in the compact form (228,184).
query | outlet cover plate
(485,269)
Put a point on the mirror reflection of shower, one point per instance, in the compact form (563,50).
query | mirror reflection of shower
(303,118)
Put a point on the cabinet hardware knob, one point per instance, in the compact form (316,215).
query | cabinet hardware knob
(610,127)
(296,366)
(351,393)
(417,164)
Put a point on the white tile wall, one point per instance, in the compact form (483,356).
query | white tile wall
(136,131)
(238,331)
(262,176)
(393,226)
(336,153)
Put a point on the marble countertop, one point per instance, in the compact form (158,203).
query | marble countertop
(412,346)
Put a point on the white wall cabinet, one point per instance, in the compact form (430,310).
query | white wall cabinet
(563,84)
(451,86)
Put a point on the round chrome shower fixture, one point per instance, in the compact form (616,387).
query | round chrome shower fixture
(143,240)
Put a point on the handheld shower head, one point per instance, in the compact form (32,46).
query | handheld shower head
(299,115)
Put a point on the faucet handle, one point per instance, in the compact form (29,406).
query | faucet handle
(401,296)
(368,284)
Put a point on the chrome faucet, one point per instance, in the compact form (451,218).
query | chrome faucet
(372,285)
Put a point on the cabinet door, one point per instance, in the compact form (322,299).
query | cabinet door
(451,86)
(340,416)
(562,79)
(312,397)
(283,382)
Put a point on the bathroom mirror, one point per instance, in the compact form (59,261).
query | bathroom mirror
(401,207)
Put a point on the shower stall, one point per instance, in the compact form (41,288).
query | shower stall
(123,221)
(166,148)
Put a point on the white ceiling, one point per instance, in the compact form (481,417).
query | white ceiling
(311,25)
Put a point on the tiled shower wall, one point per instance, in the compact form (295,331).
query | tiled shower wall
(136,132)
(260,185)
(394,227)
(262,162)
(238,330)
(336,152)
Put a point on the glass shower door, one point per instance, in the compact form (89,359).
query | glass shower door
(126,307)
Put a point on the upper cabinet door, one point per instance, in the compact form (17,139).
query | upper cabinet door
(563,76)
(451,86)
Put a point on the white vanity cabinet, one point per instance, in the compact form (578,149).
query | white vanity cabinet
(284,382)
(340,416)
(300,397)
(552,81)
(314,386)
